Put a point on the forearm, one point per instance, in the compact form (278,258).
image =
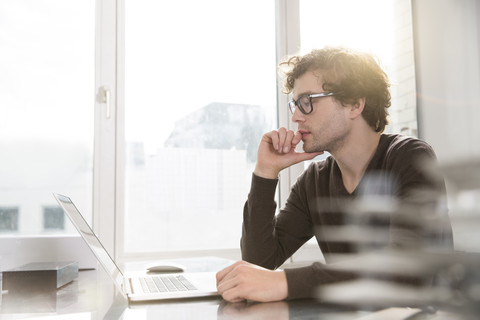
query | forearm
(258,242)
(304,282)
(269,239)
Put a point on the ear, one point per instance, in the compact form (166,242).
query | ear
(356,108)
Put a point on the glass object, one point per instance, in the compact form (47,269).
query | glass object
(46,102)
(200,91)
(304,102)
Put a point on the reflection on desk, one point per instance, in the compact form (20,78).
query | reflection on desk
(90,295)
(94,296)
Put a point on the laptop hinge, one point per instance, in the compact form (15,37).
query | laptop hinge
(127,285)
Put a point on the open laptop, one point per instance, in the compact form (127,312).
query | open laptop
(141,287)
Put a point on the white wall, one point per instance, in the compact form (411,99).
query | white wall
(447,45)
(446,34)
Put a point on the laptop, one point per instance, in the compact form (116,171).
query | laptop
(141,287)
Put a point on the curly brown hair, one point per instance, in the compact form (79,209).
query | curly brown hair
(351,75)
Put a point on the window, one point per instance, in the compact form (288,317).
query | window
(8,219)
(53,218)
(47,74)
(200,91)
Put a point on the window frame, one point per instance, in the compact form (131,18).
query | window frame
(107,122)
(287,42)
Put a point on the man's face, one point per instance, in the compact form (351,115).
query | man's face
(327,126)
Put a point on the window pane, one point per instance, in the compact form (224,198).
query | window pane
(46,103)
(381,27)
(53,218)
(200,91)
(8,219)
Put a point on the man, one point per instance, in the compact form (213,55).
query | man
(340,101)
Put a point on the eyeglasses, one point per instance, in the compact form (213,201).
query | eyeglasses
(304,102)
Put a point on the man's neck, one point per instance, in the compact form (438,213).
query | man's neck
(354,157)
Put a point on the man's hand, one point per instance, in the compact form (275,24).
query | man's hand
(246,281)
(277,152)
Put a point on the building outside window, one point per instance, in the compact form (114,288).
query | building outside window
(53,218)
(8,219)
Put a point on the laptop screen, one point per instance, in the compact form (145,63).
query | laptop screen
(90,238)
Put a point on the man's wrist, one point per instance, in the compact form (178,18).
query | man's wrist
(283,285)
(266,174)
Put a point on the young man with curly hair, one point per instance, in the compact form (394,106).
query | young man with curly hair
(339,101)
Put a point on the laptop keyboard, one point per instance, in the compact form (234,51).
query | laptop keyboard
(166,284)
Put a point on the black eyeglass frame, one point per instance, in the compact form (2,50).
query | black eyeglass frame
(292,104)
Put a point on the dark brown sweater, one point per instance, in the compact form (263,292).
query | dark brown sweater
(317,201)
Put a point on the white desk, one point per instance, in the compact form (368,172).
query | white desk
(93,296)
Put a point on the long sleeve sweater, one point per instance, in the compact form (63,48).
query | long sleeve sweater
(318,200)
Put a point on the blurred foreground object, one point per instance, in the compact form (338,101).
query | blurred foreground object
(401,261)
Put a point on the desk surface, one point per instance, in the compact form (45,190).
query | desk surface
(93,296)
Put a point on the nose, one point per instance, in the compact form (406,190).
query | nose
(297,116)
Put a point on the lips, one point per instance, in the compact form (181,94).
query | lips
(304,133)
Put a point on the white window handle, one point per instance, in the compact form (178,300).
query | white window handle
(104,97)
